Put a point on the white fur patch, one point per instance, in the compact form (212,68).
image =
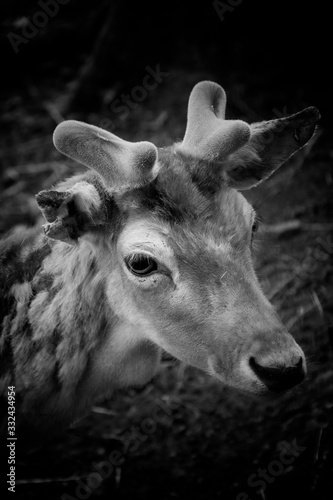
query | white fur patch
(21,292)
(86,197)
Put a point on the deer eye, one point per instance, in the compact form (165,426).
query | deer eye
(255,226)
(141,265)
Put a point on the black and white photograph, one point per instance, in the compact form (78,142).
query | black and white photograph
(166,242)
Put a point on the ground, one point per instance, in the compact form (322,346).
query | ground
(183,435)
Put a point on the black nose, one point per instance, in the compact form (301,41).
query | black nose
(281,378)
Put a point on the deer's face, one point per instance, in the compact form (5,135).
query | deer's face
(180,269)
(190,286)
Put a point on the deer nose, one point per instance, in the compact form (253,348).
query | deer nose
(279,378)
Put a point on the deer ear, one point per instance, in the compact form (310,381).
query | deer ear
(271,143)
(71,213)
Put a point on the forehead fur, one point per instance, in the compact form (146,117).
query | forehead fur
(174,196)
(208,245)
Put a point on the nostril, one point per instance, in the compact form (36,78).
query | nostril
(279,378)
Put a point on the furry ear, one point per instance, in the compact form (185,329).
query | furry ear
(270,145)
(71,213)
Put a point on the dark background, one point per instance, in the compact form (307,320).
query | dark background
(281,46)
(268,56)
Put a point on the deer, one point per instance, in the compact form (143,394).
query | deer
(148,251)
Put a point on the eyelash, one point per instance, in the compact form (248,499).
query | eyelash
(135,260)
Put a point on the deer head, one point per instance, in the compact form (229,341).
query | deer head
(173,236)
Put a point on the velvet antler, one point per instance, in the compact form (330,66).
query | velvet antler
(208,135)
(120,163)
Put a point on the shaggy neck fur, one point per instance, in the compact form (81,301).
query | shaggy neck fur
(58,320)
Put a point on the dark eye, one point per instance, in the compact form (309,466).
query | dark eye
(255,226)
(141,265)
